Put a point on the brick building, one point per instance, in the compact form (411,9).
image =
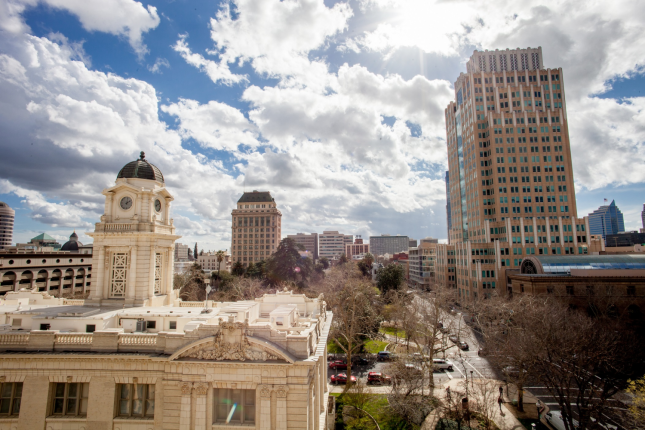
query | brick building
(256,229)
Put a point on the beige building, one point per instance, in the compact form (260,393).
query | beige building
(356,249)
(135,357)
(256,229)
(422,262)
(209,263)
(510,172)
(308,241)
(331,244)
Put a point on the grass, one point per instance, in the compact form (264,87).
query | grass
(393,331)
(377,407)
(374,346)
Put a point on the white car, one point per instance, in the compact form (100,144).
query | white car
(440,363)
(554,418)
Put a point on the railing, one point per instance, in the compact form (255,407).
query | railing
(191,304)
(14,339)
(74,338)
(74,302)
(138,339)
(120,227)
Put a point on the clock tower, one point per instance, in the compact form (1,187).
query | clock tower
(133,256)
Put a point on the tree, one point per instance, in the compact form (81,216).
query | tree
(190,254)
(286,265)
(390,277)
(637,408)
(191,284)
(325,262)
(238,268)
(365,269)
(195,253)
(356,317)
(343,259)
(220,255)
(368,259)
(251,271)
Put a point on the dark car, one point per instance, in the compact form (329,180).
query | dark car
(378,378)
(359,361)
(463,346)
(338,364)
(341,378)
(383,356)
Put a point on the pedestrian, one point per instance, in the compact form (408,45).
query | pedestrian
(499,402)
(501,391)
(448,392)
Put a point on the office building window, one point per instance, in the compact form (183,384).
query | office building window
(233,406)
(136,400)
(70,399)
(10,395)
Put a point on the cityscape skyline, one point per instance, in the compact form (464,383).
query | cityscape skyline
(218,110)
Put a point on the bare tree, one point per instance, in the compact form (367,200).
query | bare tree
(407,398)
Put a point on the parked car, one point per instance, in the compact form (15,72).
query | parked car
(554,418)
(453,338)
(338,364)
(378,378)
(440,363)
(359,361)
(341,378)
(384,356)
(413,369)
(463,346)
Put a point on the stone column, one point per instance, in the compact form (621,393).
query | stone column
(201,391)
(99,416)
(33,410)
(48,280)
(32,285)
(281,407)
(264,415)
(151,273)
(186,411)
(131,286)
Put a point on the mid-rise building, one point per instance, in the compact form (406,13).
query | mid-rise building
(429,240)
(510,171)
(331,244)
(209,263)
(607,219)
(41,241)
(256,229)
(386,244)
(448,208)
(357,249)
(628,238)
(643,217)
(422,264)
(308,241)
(7,218)
(181,252)
(412,243)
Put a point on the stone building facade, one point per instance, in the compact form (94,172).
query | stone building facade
(256,229)
(56,273)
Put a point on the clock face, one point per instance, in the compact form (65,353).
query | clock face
(157,205)
(126,203)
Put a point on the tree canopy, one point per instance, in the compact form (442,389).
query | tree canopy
(390,277)
(287,265)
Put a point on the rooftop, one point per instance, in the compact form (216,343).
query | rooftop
(256,197)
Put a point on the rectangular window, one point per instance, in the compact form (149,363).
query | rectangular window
(136,400)
(70,399)
(10,396)
(233,406)
(172,325)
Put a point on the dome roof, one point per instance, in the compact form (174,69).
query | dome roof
(72,244)
(141,169)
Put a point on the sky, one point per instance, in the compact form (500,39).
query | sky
(335,107)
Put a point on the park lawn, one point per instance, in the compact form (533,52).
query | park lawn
(393,331)
(374,346)
(377,407)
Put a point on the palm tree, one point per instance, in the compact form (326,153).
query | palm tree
(220,257)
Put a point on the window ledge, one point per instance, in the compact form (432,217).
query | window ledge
(5,419)
(133,419)
(66,418)
(222,426)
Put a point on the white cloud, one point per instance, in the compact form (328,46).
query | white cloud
(127,18)
(159,63)
(217,72)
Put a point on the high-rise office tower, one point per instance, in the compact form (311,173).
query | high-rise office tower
(508,143)
(510,174)
(607,219)
(448,207)
(643,217)
(6,225)
(256,228)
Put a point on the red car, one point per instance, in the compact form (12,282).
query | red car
(341,378)
(338,364)
(378,378)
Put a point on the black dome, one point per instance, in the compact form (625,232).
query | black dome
(72,244)
(141,169)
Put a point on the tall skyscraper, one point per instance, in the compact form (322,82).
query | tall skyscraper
(643,217)
(607,219)
(510,179)
(448,207)
(256,228)
(7,216)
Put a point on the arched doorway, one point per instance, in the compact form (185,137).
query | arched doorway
(41,280)
(8,281)
(56,280)
(26,278)
(68,281)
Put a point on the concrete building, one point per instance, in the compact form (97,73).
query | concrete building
(613,283)
(57,273)
(643,218)
(429,240)
(357,250)
(510,172)
(448,207)
(422,265)
(308,241)
(412,243)
(624,239)
(331,244)
(181,252)
(41,243)
(208,261)
(256,227)
(607,219)
(386,244)
(7,217)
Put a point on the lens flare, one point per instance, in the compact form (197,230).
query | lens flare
(230,414)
